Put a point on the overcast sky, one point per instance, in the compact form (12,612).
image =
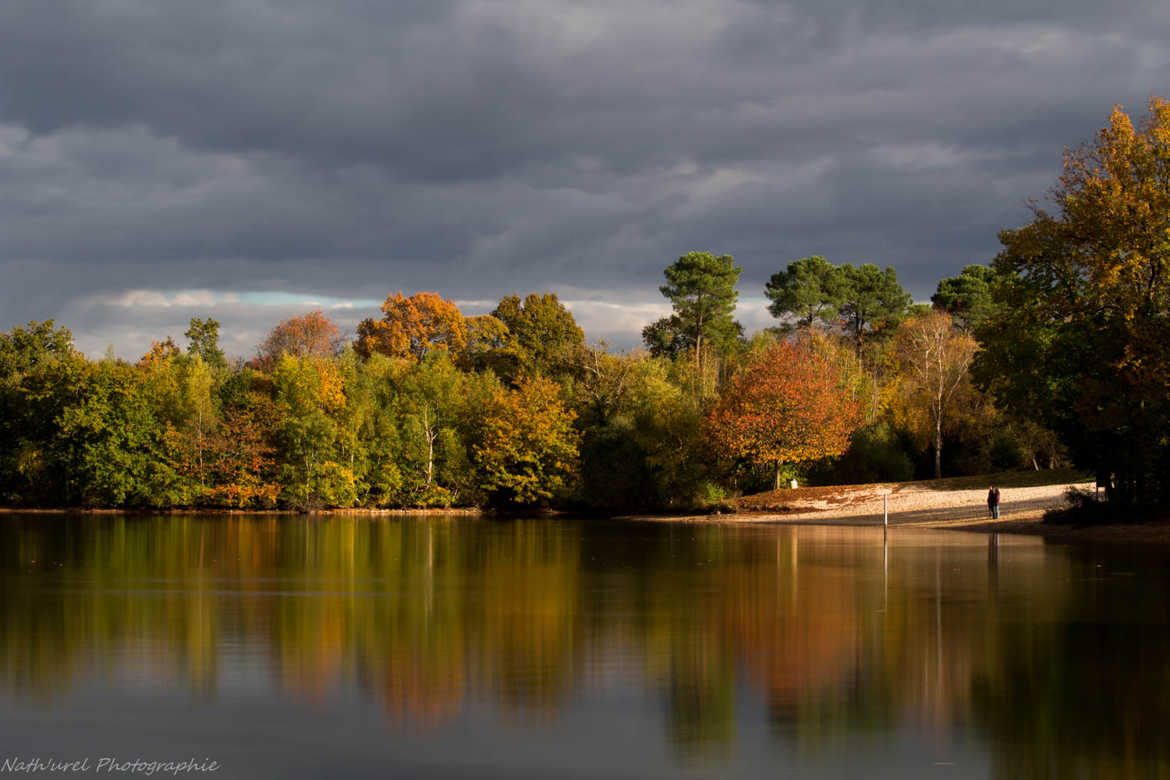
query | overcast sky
(252,160)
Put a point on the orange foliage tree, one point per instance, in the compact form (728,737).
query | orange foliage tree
(789,404)
(411,327)
(308,335)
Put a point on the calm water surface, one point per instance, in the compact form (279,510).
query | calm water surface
(453,647)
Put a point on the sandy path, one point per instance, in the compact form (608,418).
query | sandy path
(914,503)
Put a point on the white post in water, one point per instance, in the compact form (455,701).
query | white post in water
(885,510)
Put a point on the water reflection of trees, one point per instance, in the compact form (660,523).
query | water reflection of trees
(1060,665)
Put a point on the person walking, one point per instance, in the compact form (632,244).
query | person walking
(991,500)
(995,503)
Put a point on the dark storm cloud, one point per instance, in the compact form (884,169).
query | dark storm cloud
(348,149)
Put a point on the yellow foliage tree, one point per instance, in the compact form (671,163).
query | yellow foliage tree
(528,449)
(934,357)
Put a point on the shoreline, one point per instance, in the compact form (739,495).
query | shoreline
(1022,523)
(138,511)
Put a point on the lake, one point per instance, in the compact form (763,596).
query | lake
(340,646)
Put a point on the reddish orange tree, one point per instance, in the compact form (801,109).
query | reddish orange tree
(308,335)
(788,405)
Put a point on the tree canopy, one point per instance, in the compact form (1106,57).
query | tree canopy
(1080,339)
(542,334)
(306,335)
(789,404)
(808,289)
(204,341)
(411,327)
(872,300)
(701,288)
(966,297)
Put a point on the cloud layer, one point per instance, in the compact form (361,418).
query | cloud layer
(349,149)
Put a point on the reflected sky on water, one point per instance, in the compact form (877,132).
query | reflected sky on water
(457,647)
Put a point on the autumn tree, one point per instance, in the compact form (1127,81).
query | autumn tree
(701,288)
(199,412)
(412,327)
(1081,339)
(308,392)
(528,448)
(934,358)
(789,404)
(306,335)
(160,352)
(808,289)
(241,457)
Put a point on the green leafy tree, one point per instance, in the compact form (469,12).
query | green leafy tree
(665,338)
(872,300)
(369,435)
(436,466)
(203,336)
(966,297)
(40,374)
(701,288)
(808,290)
(544,335)
(112,442)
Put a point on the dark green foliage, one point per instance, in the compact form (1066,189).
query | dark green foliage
(615,470)
(808,290)
(40,375)
(111,443)
(701,287)
(665,338)
(868,301)
(967,297)
(877,453)
(873,301)
(542,334)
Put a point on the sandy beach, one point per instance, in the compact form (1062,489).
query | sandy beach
(951,504)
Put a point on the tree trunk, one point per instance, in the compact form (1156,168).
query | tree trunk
(938,446)
(779,466)
(429,435)
(699,360)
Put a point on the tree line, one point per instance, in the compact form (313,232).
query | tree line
(1056,352)
(427,407)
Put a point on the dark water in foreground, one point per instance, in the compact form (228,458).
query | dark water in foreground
(341,647)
